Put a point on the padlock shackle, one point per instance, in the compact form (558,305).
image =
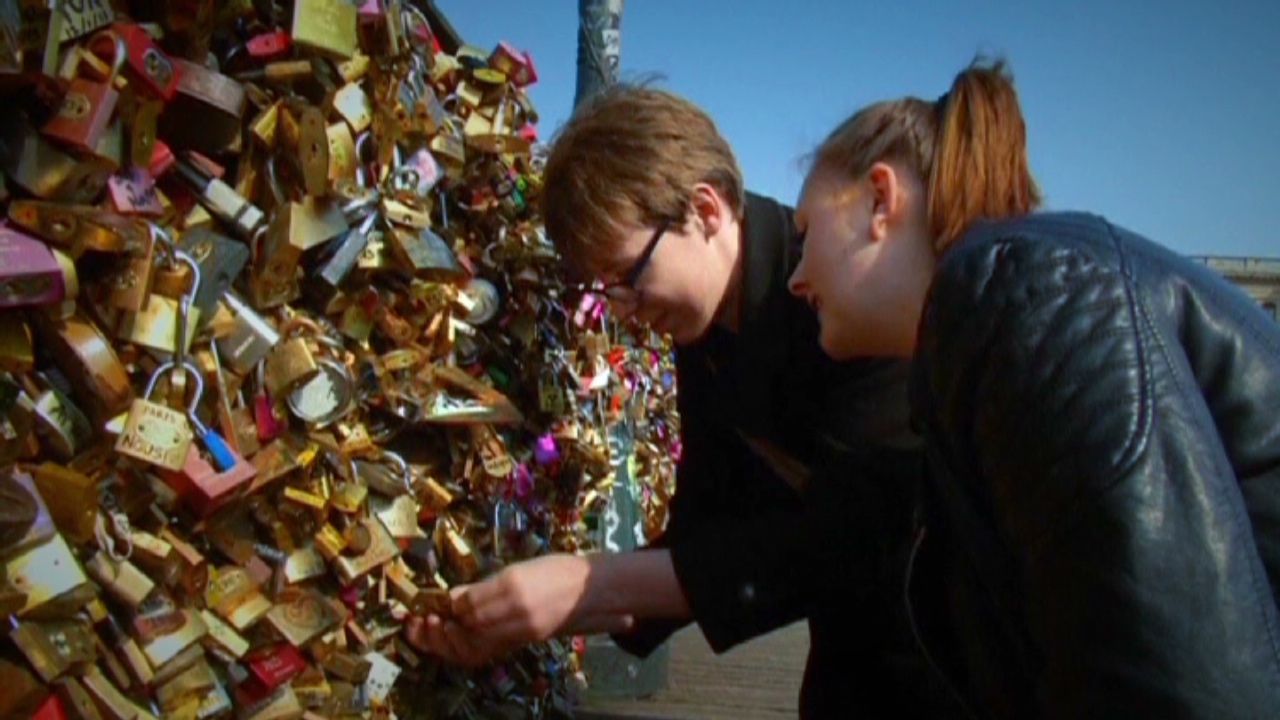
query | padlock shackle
(120,48)
(187,367)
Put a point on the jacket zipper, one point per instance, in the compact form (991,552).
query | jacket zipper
(921,532)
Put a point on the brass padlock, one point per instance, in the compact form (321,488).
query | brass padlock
(44,170)
(54,648)
(424,254)
(354,106)
(131,286)
(72,498)
(77,228)
(342,154)
(121,578)
(85,355)
(154,433)
(326,27)
(291,362)
(158,324)
(302,139)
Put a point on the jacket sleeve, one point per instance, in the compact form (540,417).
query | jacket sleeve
(1074,432)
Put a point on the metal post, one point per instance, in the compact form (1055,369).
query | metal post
(599,46)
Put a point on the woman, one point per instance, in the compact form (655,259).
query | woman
(1100,533)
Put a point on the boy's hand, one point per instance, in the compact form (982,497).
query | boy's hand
(524,603)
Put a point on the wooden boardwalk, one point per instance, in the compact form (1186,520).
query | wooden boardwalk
(756,681)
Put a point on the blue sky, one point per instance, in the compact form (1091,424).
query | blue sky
(1163,116)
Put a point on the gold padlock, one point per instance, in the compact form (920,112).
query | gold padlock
(157,325)
(327,27)
(157,434)
(354,106)
(290,363)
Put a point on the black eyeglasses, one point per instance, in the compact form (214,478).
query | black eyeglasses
(624,291)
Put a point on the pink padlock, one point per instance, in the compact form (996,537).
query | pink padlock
(133,192)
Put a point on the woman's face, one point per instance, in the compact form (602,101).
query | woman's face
(867,261)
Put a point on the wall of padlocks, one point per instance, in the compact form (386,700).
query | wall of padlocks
(284,355)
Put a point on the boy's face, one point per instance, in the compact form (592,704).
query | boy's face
(673,278)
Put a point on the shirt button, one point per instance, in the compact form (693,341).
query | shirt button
(748,593)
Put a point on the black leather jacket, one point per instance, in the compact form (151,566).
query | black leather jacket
(1102,419)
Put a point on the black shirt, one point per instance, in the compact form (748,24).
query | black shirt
(793,492)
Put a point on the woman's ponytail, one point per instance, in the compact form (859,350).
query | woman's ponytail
(979,169)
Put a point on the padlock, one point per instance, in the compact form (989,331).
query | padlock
(44,170)
(29,273)
(133,192)
(56,647)
(250,339)
(63,429)
(224,458)
(149,66)
(142,123)
(77,19)
(265,418)
(80,350)
(342,154)
(354,106)
(269,46)
(221,260)
(303,141)
(297,226)
(345,254)
(326,27)
(121,578)
(387,474)
(71,497)
(380,27)
(291,362)
(164,320)
(325,398)
(77,228)
(88,105)
(417,175)
(221,200)
(157,434)
(516,65)
(204,487)
(424,254)
(216,100)
(131,285)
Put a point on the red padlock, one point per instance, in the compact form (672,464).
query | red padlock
(203,488)
(269,46)
(162,159)
(148,64)
(88,106)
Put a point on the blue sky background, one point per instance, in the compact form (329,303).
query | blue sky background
(1163,116)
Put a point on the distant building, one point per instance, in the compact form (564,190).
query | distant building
(1260,277)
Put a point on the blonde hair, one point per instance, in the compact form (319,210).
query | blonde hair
(970,146)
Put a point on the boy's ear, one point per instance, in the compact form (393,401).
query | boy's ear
(709,209)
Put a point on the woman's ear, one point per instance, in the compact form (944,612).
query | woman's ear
(708,209)
(886,198)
